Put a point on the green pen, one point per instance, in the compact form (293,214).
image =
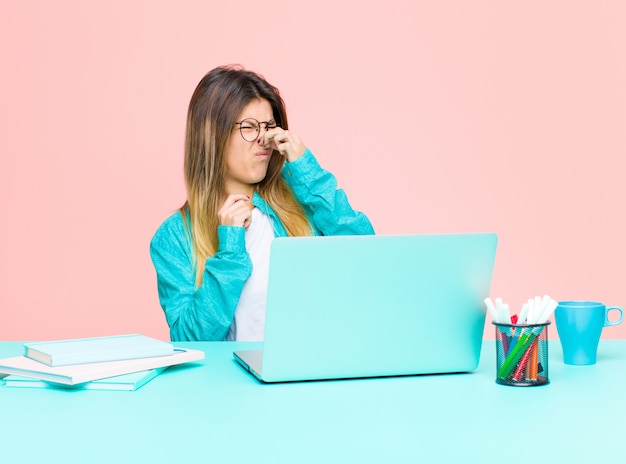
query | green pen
(517,352)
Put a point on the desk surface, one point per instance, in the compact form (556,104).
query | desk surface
(214,411)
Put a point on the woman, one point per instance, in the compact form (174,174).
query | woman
(248,180)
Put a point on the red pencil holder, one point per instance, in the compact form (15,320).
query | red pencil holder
(522,354)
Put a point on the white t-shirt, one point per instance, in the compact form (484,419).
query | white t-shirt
(249,322)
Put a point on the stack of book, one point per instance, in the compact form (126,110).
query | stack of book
(122,362)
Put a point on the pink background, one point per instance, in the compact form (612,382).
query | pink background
(448,116)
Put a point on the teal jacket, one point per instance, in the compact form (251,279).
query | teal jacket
(206,313)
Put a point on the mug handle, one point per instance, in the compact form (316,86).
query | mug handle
(621,316)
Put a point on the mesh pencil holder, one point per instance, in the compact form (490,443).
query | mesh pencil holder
(522,354)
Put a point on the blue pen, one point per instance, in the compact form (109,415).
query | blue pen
(514,340)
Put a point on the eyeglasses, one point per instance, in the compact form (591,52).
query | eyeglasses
(250,128)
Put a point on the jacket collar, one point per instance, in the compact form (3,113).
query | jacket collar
(258,202)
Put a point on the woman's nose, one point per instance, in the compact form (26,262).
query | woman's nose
(261,140)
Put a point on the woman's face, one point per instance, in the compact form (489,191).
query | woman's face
(247,162)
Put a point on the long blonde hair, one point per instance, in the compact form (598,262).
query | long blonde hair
(215,104)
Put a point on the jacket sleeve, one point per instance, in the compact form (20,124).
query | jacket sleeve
(327,206)
(203,313)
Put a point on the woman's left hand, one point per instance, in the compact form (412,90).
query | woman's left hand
(287,144)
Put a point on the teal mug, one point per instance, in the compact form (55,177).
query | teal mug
(579,325)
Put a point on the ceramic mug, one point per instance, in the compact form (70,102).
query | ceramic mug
(579,325)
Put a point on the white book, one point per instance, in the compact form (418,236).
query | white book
(80,373)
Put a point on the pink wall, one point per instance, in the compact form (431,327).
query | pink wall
(448,116)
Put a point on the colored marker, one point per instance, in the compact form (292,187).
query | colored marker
(534,361)
(517,375)
(517,352)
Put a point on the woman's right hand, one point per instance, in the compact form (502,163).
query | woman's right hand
(235,211)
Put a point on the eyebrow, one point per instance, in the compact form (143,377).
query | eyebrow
(269,121)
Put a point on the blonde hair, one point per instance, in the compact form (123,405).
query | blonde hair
(215,104)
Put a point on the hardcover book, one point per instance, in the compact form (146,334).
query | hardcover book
(98,349)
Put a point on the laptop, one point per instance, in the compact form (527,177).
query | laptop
(344,307)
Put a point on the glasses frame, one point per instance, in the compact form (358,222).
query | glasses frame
(271,124)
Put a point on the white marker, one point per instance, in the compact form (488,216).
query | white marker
(491,309)
(537,308)
(501,312)
(523,314)
(506,313)
(547,314)
(530,318)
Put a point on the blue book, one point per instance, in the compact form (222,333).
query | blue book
(98,349)
(127,382)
